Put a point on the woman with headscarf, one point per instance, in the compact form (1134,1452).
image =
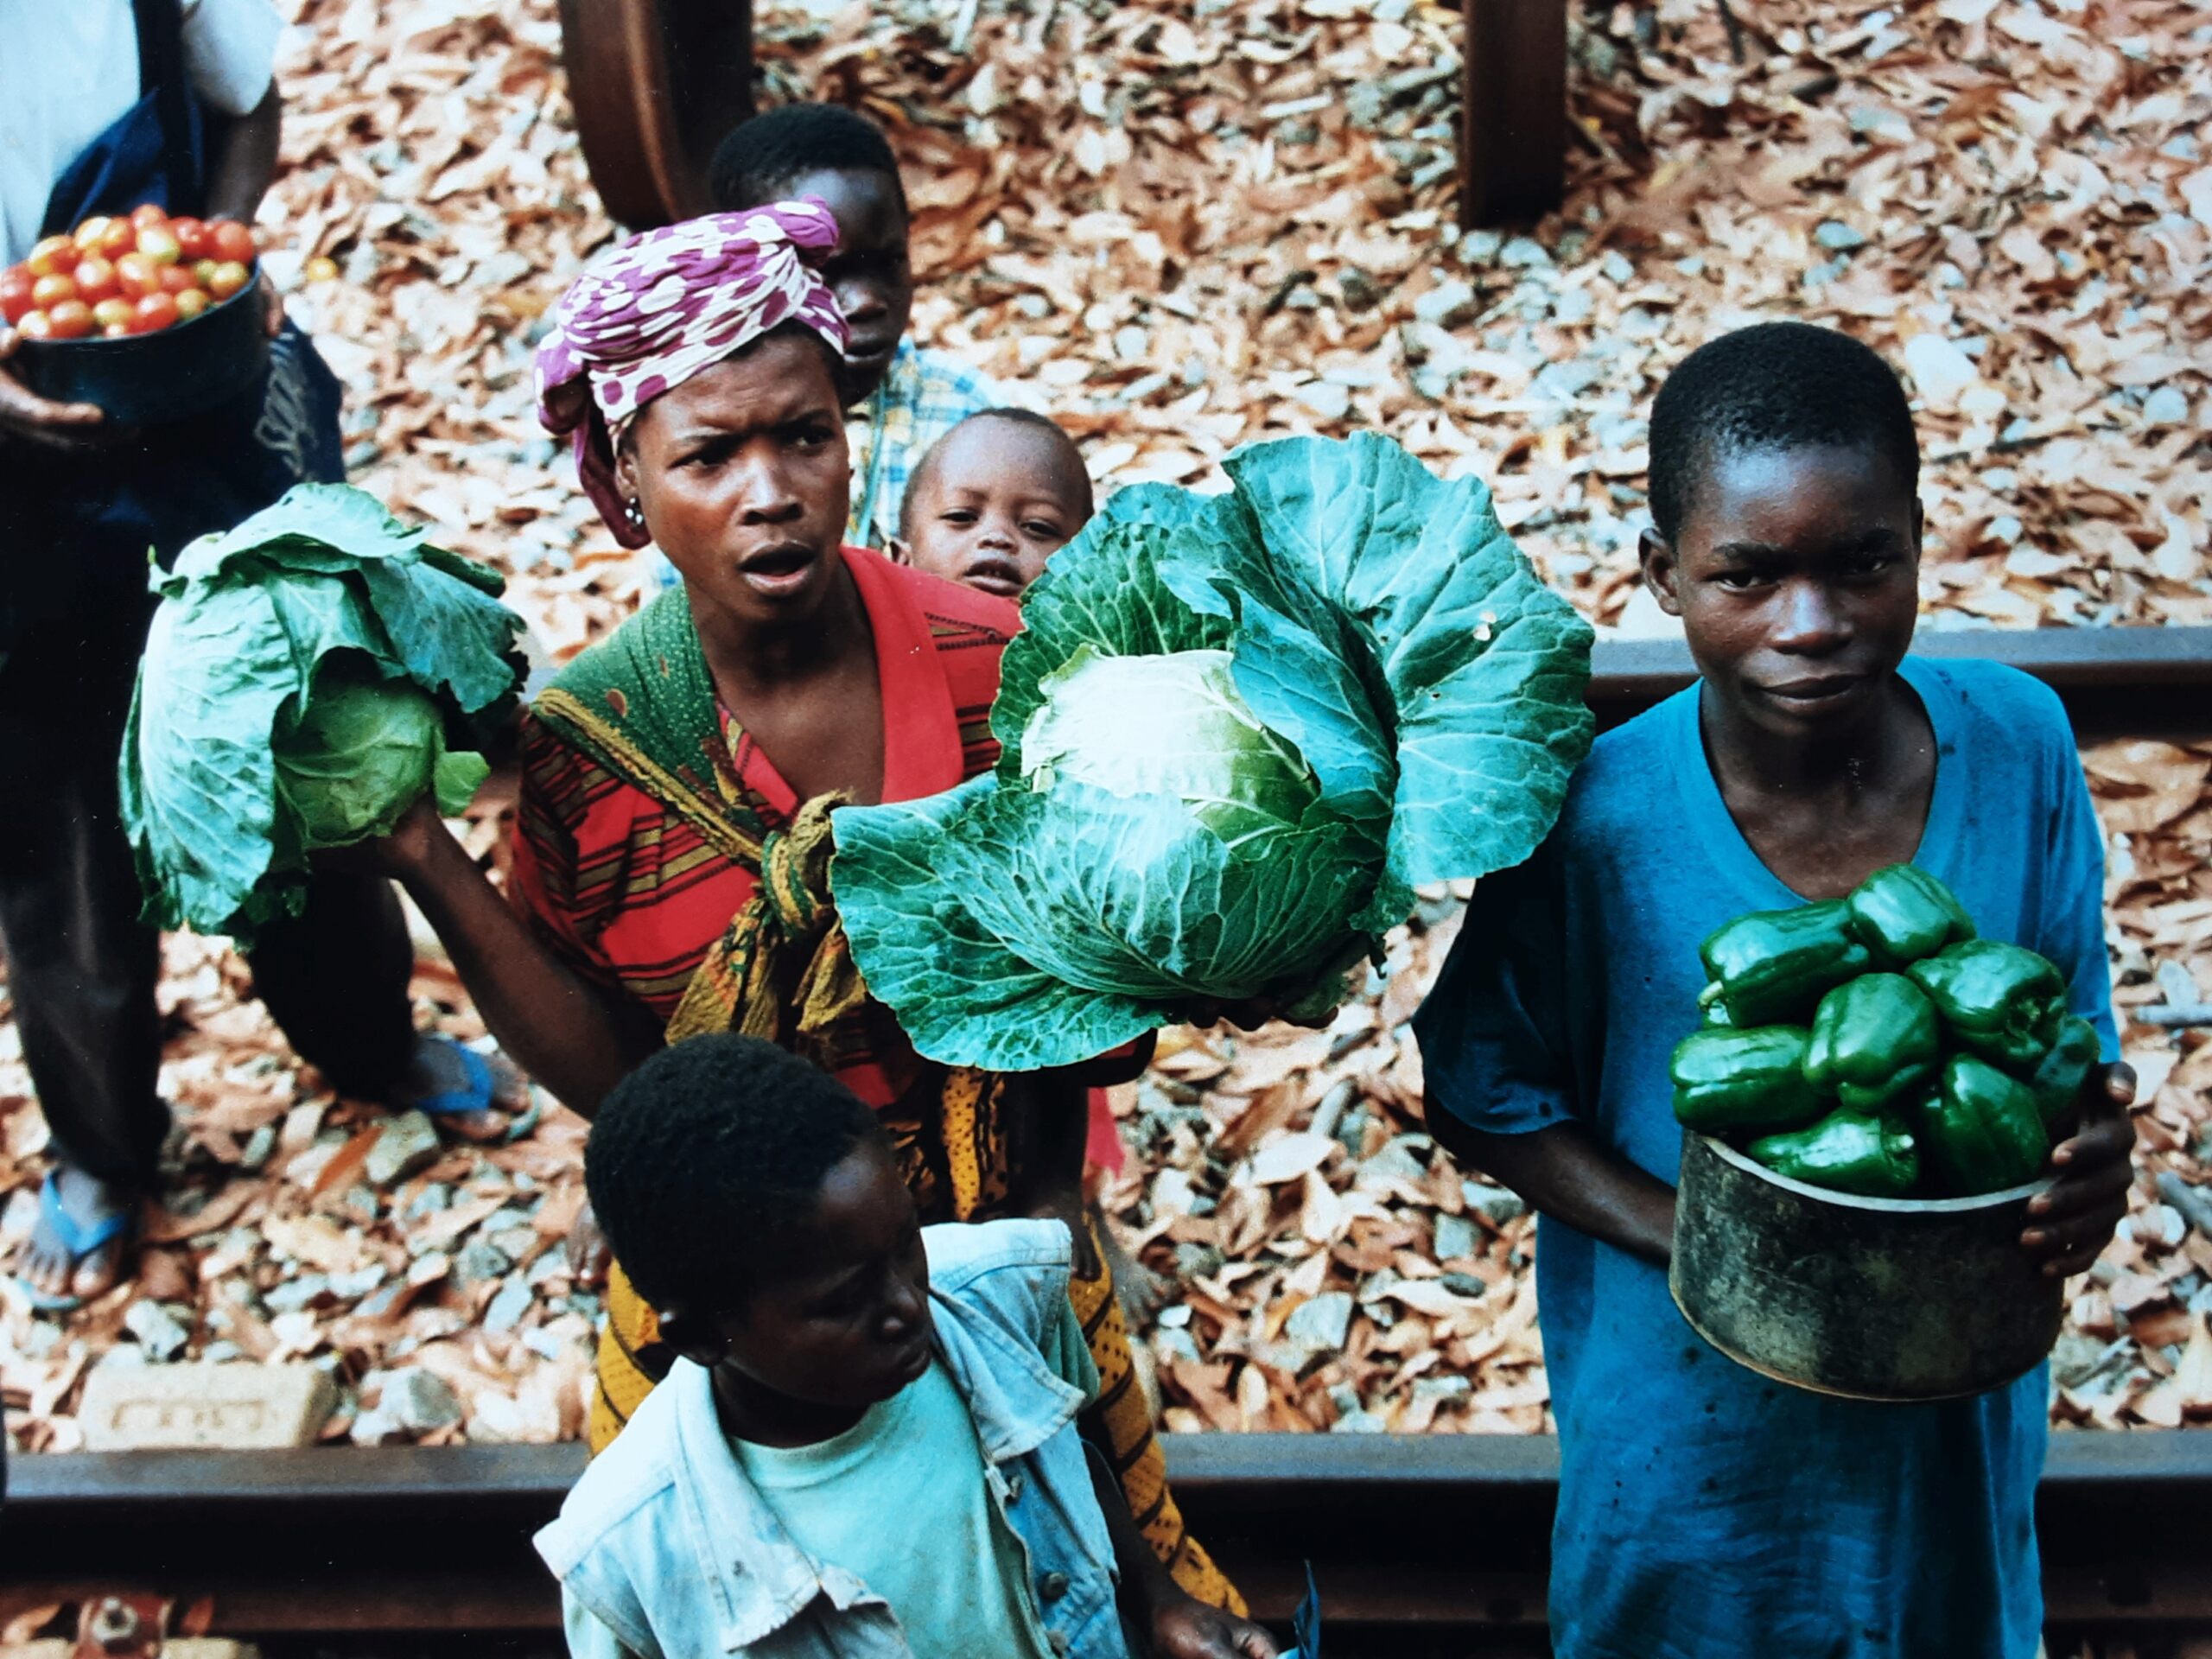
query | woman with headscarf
(669,874)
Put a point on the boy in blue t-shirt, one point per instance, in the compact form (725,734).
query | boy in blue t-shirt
(1705,1509)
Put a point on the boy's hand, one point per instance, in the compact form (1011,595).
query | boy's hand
(2095,1168)
(1186,1628)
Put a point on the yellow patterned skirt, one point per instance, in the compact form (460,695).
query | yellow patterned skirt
(958,1173)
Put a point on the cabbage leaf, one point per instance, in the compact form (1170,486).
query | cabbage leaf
(298,678)
(1235,731)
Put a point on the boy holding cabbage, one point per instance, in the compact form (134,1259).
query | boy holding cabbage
(1704,1510)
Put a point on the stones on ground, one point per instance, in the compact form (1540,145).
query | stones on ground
(481,1262)
(2167,406)
(203,1404)
(1455,1237)
(1495,1205)
(161,1335)
(1449,303)
(411,1399)
(1321,1322)
(409,1143)
(507,1308)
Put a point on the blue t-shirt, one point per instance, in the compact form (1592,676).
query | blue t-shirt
(1705,1509)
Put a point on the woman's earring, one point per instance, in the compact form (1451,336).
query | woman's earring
(637,515)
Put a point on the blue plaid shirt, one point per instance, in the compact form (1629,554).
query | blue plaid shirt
(924,396)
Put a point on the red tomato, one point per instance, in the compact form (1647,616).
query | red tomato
(114,314)
(87,235)
(15,302)
(50,291)
(96,280)
(120,237)
(147,213)
(159,243)
(232,241)
(156,312)
(193,237)
(137,276)
(226,279)
(52,257)
(36,325)
(177,278)
(71,319)
(192,303)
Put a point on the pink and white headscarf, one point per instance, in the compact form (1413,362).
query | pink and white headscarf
(665,305)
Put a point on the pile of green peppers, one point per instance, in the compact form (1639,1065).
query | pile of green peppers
(1874,1044)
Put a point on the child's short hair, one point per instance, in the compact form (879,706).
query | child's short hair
(758,158)
(1071,453)
(704,1155)
(1775,385)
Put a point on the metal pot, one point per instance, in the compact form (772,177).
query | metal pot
(1870,1298)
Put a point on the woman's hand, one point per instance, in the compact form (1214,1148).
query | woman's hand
(1250,1014)
(409,845)
(2072,1222)
(1186,1628)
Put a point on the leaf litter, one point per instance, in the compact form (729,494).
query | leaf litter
(1178,229)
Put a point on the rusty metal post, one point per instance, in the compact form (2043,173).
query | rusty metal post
(1513,111)
(656,84)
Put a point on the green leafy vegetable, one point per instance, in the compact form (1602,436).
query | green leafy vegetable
(363,751)
(1235,731)
(298,681)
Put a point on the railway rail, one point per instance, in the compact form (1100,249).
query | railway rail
(1422,1545)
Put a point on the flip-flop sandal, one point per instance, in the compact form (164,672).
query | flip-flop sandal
(79,1240)
(476,1093)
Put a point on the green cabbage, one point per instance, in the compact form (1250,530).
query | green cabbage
(300,676)
(363,751)
(1236,731)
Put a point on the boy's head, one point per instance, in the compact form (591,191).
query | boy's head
(757,1204)
(827,150)
(992,500)
(1786,523)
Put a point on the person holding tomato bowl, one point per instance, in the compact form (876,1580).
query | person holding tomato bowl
(137,138)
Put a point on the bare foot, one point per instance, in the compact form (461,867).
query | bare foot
(92,1206)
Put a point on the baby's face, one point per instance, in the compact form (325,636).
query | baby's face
(997,501)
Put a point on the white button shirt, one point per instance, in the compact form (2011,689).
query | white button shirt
(67,72)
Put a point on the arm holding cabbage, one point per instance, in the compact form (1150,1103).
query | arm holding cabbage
(571,1037)
(301,677)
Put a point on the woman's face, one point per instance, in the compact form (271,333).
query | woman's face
(743,478)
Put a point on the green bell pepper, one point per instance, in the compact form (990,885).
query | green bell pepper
(1711,1010)
(2056,1081)
(1874,1038)
(1773,966)
(1845,1152)
(1903,913)
(1981,1129)
(1727,1079)
(1999,999)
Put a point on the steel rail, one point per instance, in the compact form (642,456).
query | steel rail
(2121,682)
(1414,1539)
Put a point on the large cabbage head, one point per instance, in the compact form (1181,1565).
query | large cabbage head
(362,752)
(1235,731)
(300,676)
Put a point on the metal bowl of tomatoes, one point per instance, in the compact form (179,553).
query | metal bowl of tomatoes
(151,319)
